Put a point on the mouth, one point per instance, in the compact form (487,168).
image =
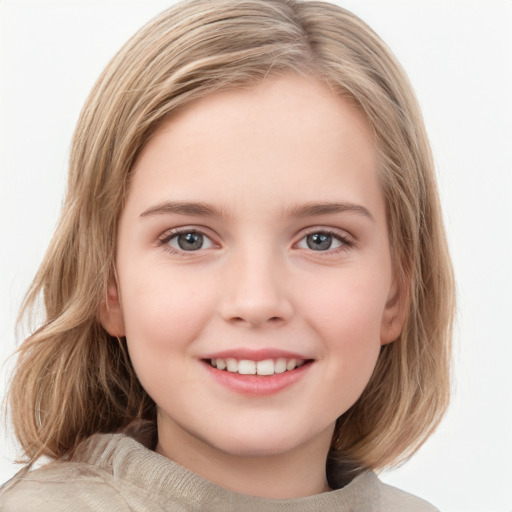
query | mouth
(265,367)
(257,373)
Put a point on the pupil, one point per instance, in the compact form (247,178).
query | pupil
(190,241)
(319,241)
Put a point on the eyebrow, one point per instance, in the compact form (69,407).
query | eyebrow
(317,209)
(182,208)
(199,209)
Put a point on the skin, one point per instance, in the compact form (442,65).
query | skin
(256,156)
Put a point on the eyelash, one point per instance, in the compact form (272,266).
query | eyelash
(169,235)
(346,242)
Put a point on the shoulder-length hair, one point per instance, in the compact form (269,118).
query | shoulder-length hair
(73,379)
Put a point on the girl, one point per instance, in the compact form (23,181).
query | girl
(248,297)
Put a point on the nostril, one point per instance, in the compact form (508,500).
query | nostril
(256,321)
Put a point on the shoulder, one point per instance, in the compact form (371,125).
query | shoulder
(107,473)
(393,499)
(62,487)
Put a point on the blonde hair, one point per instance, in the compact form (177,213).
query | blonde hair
(73,379)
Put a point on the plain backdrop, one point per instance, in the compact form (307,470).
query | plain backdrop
(458,55)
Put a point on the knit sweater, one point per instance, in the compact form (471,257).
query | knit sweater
(115,473)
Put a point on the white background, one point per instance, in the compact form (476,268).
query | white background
(459,57)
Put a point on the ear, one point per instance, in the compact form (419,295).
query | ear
(395,312)
(110,311)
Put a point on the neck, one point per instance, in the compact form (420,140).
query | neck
(293,474)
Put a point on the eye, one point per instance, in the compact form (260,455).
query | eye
(188,241)
(322,241)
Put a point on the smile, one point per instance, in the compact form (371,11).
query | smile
(257,372)
(249,367)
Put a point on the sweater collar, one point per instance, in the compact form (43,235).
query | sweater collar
(130,462)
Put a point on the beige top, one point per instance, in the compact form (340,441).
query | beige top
(115,473)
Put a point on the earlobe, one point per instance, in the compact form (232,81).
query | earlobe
(394,315)
(110,312)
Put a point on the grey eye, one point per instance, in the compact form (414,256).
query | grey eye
(190,241)
(320,241)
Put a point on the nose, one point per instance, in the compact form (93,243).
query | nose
(255,293)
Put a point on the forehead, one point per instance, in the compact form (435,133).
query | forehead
(290,139)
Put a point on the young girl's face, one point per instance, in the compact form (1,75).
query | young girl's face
(254,236)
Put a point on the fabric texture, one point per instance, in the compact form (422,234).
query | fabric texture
(115,473)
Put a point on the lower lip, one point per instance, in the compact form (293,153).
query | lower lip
(257,384)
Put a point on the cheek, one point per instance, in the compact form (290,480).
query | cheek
(350,304)
(163,314)
(347,315)
(163,318)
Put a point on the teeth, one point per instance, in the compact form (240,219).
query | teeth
(291,364)
(248,367)
(280,366)
(265,367)
(232,365)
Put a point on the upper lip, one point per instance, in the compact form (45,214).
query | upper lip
(255,354)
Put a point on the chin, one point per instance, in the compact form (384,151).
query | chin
(258,442)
